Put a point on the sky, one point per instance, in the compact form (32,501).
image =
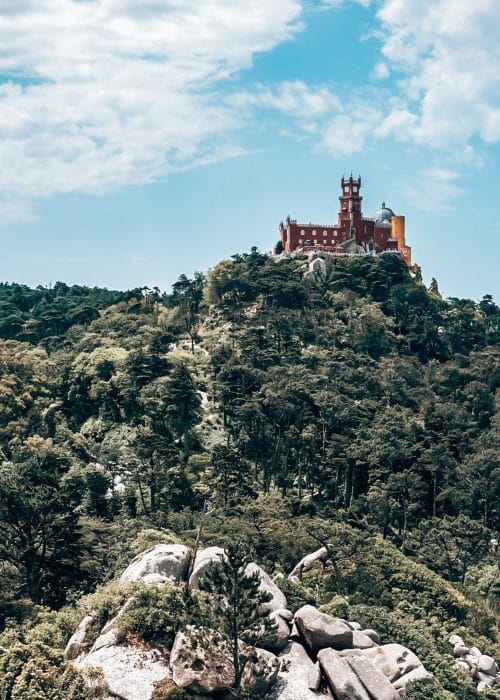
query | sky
(142,139)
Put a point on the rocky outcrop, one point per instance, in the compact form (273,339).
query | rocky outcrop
(308,655)
(128,672)
(201,662)
(375,682)
(341,678)
(170,561)
(307,563)
(319,630)
(204,558)
(393,660)
(278,639)
(482,668)
(76,644)
(299,677)
(267,585)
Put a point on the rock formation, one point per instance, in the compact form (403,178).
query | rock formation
(482,668)
(311,654)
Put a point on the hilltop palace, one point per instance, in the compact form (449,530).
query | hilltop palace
(353,233)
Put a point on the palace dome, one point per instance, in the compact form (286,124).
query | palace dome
(384,214)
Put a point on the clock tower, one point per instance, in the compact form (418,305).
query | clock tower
(350,206)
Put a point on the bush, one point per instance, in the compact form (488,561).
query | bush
(397,628)
(296,594)
(156,613)
(104,605)
(39,672)
(337,607)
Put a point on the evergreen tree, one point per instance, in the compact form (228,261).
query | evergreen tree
(237,603)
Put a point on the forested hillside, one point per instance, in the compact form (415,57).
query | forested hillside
(354,407)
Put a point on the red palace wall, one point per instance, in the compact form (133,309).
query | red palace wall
(351,231)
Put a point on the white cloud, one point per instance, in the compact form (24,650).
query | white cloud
(339,126)
(347,133)
(449,53)
(334,4)
(107,92)
(294,99)
(380,71)
(435,189)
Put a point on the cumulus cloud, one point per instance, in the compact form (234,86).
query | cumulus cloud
(339,126)
(449,53)
(436,188)
(380,71)
(101,93)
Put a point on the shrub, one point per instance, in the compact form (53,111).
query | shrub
(156,613)
(296,594)
(104,605)
(39,672)
(338,607)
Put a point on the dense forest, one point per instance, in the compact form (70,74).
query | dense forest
(355,407)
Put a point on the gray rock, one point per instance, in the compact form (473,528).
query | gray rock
(393,660)
(155,579)
(485,678)
(168,560)
(475,652)
(267,585)
(342,680)
(360,640)
(377,685)
(128,672)
(279,639)
(417,674)
(372,634)
(354,626)
(307,563)
(460,650)
(471,660)
(201,662)
(203,559)
(260,670)
(76,644)
(497,679)
(285,614)
(482,686)
(487,664)
(201,668)
(455,639)
(295,676)
(314,677)
(319,630)
(110,636)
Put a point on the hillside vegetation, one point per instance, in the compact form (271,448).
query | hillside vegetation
(356,408)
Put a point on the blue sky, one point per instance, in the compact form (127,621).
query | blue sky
(142,140)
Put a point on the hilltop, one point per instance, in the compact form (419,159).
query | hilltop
(353,407)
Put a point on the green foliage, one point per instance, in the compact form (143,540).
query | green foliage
(33,314)
(356,411)
(237,600)
(156,614)
(338,606)
(39,672)
(103,605)
(296,594)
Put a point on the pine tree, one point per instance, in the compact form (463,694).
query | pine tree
(237,604)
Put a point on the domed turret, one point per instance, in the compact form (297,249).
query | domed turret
(383,215)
